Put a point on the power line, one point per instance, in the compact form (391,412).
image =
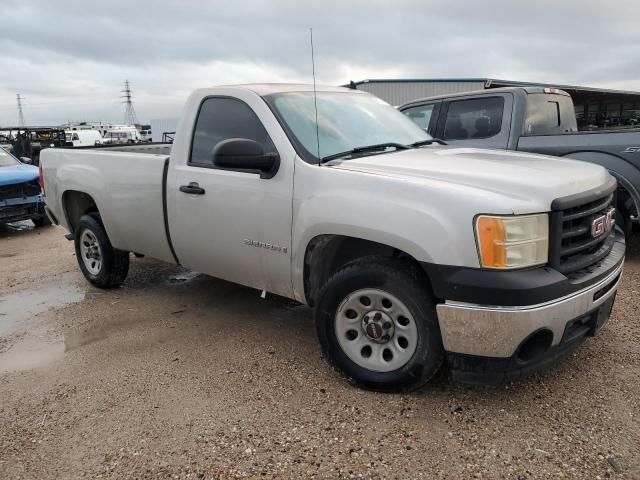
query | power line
(20,114)
(130,117)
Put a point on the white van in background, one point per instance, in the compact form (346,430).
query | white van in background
(119,135)
(83,138)
(145,133)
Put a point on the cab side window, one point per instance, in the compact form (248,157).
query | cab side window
(549,114)
(421,115)
(221,119)
(474,118)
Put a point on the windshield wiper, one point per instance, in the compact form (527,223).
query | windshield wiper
(428,142)
(368,148)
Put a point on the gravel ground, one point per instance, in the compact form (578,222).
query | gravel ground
(178,375)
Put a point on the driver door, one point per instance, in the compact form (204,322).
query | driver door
(234,225)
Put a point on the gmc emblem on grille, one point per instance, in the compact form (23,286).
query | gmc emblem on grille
(603,224)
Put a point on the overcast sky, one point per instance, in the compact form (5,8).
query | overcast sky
(69,59)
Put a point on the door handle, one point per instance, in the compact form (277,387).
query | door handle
(193,188)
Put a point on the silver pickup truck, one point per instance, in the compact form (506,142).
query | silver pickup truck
(413,255)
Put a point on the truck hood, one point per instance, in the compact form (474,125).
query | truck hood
(516,175)
(18,174)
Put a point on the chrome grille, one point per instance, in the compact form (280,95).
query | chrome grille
(573,246)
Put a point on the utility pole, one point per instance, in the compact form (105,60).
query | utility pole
(19,98)
(130,117)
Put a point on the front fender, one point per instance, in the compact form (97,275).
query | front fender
(387,211)
(305,234)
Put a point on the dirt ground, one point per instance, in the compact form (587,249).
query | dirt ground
(178,375)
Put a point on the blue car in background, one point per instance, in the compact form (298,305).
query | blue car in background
(20,193)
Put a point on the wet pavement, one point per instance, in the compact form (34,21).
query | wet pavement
(18,309)
(179,375)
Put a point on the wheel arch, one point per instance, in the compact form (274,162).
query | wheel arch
(75,204)
(327,253)
(627,174)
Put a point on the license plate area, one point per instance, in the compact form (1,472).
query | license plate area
(13,212)
(603,314)
(589,324)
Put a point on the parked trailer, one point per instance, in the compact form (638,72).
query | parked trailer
(28,142)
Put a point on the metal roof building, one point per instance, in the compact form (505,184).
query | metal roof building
(594,106)
(398,92)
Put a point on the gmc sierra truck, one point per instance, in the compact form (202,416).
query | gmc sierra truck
(537,120)
(412,254)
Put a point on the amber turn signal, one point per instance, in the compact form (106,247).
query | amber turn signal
(491,239)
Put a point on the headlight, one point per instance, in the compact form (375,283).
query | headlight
(512,241)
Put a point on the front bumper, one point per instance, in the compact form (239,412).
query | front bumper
(492,343)
(472,369)
(16,210)
(499,331)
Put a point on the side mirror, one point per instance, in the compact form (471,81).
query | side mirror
(245,154)
(26,160)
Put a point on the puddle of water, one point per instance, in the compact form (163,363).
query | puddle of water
(17,309)
(29,354)
(33,352)
(84,335)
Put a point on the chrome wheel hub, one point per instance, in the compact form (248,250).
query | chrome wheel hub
(376,330)
(90,252)
(378,326)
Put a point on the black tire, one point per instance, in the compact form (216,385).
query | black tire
(623,214)
(115,263)
(409,285)
(41,221)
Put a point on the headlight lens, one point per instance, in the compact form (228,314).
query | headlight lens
(513,241)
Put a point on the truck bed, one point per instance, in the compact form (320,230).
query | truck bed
(153,148)
(609,141)
(127,187)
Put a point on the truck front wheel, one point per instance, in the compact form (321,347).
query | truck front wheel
(626,209)
(377,324)
(101,264)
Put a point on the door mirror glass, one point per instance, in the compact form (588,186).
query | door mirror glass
(245,154)
(25,160)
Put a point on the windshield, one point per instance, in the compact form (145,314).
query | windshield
(7,160)
(345,121)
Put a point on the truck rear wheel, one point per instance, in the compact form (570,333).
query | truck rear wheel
(377,324)
(101,264)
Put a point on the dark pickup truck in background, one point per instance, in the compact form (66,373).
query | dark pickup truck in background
(538,120)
